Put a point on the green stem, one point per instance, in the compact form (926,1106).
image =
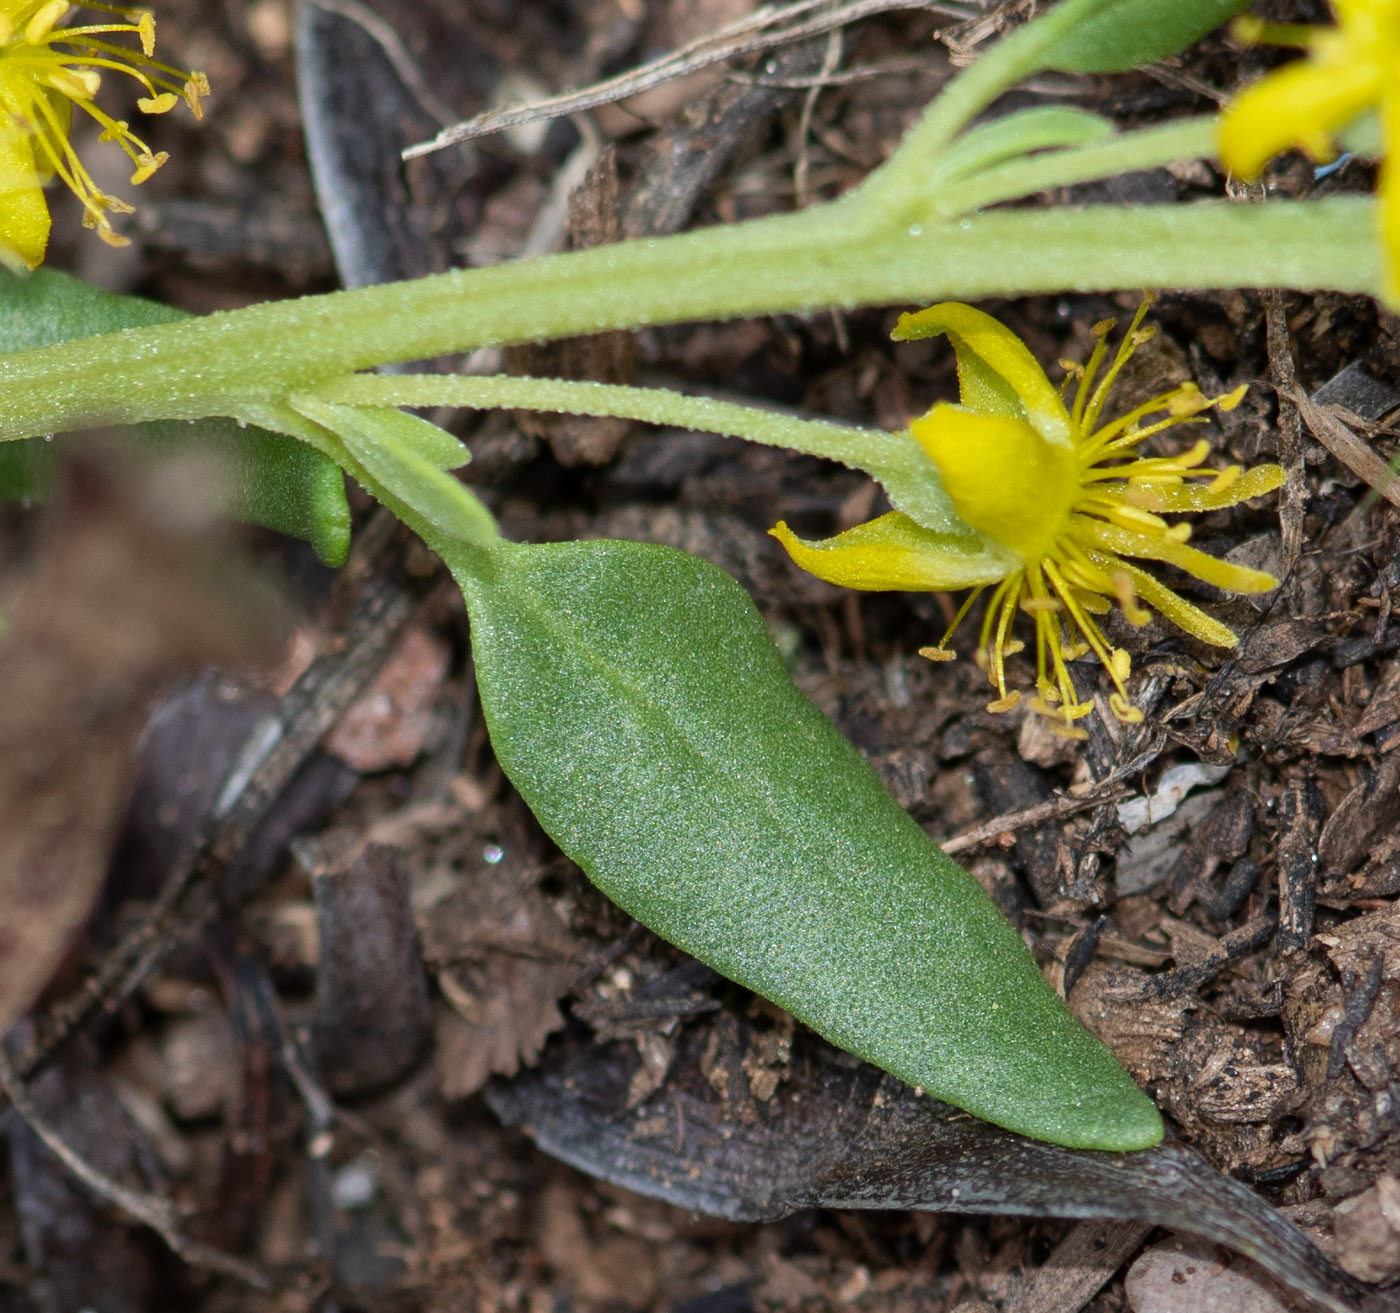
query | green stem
(235,362)
(902,181)
(893,459)
(848,445)
(1187,139)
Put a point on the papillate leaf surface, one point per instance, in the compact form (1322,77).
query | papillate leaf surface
(636,700)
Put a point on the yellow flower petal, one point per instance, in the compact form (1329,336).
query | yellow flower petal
(894,553)
(996,370)
(1002,477)
(1207,496)
(24,214)
(1301,105)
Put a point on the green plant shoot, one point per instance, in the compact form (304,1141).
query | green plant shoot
(632,692)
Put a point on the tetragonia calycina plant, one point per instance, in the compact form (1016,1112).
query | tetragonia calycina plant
(632,692)
(50,67)
(1060,503)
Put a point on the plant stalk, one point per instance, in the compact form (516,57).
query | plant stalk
(240,362)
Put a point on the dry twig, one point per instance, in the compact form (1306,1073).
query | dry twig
(765,29)
(149,1209)
(1327,426)
(1293,499)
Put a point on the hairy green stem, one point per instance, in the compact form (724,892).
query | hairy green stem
(1187,139)
(894,459)
(241,362)
(901,184)
(848,445)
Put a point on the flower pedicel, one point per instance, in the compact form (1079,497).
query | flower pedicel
(1055,505)
(46,69)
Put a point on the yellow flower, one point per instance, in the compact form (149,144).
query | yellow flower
(46,69)
(1054,506)
(1350,68)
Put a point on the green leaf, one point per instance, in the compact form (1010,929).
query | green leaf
(26,470)
(404,461)
(636,700)
(277,482)
(1046,127)
(1131,33)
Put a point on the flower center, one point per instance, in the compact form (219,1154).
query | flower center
(1002,477)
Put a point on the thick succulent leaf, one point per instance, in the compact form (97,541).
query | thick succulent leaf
(275,481)
(1130,33)
(636,700)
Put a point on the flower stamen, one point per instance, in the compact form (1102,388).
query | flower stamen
(1115,514)
(1135,337)
(47,70)
(1055,509)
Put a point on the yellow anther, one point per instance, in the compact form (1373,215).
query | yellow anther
(1126,594)
(146,165)
(1123,709)
(75,83)
(1225,478)
(938,654)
